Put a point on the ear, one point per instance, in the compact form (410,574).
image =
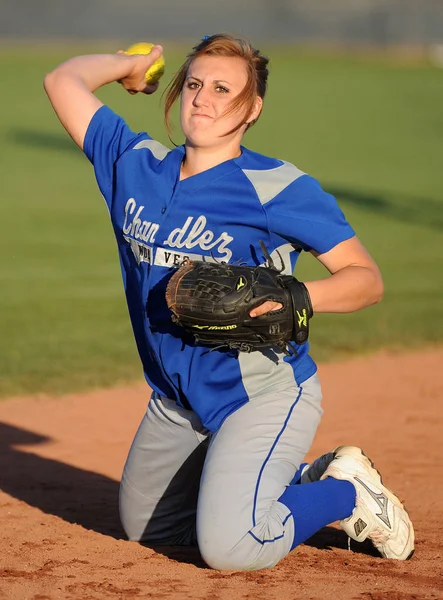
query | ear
(256,110)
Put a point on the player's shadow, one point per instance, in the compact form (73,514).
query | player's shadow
(399,207)
(73,494)
(394,205)
(32,138)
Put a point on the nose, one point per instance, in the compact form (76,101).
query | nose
(201,98)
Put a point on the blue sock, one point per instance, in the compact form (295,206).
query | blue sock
(315,505)
(297,476)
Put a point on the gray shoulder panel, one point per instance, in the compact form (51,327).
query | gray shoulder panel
(282,258)
(271,182)
(157,149)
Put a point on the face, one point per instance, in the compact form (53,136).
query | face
(212,83)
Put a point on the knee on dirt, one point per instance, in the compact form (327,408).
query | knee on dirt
(245,554)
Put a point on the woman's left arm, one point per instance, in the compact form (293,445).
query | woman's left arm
(355,280)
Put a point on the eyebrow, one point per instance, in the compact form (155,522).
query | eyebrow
(214,81)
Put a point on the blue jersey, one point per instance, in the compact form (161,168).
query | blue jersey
(219,214)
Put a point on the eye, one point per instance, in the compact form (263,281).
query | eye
(192,85)
(222,89)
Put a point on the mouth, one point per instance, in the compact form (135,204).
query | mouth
(201,116)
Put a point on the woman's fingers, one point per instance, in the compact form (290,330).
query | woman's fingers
(150,89)
(156,52)
(135,81)
(264,308)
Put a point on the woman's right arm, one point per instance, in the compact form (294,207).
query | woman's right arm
(71,85)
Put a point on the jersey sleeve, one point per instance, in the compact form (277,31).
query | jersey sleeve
(106,139)
(304,214)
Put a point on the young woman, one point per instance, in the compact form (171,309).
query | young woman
(218,457)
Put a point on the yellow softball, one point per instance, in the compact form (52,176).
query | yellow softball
(154,73)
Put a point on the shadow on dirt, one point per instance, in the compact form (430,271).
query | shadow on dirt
(331,537)
(73,494)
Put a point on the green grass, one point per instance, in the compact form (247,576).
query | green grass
(370,131)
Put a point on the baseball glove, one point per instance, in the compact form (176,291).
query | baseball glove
(212,301)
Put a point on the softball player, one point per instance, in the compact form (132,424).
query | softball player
(218,457)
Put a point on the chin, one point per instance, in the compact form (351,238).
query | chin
(202,140)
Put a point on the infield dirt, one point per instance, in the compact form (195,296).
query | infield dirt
(61,459)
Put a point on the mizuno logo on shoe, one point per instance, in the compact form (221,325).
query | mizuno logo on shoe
(359,526)
(382,502)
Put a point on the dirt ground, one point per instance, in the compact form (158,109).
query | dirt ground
(61,458)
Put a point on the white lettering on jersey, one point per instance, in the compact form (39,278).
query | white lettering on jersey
(197,236)
(135,227)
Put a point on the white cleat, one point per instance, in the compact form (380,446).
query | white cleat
(378,514)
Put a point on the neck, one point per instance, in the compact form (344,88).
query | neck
(197,160)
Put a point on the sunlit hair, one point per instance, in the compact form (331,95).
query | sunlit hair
(225,45)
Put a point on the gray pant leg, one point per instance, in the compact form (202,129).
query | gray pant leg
(250,461)
(160,482)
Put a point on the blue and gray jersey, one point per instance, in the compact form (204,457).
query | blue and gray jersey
(220,214)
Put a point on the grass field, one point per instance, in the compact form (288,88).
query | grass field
(369,130)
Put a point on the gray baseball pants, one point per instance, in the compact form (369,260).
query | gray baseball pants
(183,485)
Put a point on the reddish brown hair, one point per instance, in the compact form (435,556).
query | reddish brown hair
(225,45)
